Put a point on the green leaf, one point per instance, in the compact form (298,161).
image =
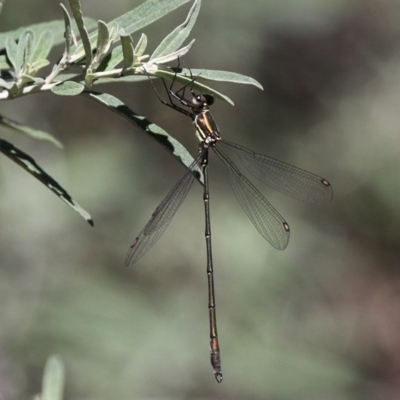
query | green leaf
(53,379)
(172,56)
(220,76)
(43,46)
(1,4)
(33,133)
(77,13)
(141,45)
(175,39)
(68,34)
(103,39)
(185,80)
(25,48)
(12,54)
(56,27)
(4,65)
(29,164)
(37,65)
(155,132)
(127,50)
(147,13)
(68,88)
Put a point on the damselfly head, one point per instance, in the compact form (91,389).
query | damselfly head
(202,100)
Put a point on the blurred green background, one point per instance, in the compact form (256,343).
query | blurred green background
(320,320)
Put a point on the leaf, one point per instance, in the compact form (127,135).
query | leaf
(68,88)
(103,39)
(220,76)
(172,56)
(68,34)
(147,13)
(53,379)
(155,132)
(127,50)
(12,54)
(77,13)
(25,48)
(33,133)
(43,46)
(141,45)
(175,39)
(4,65)
(56,27)
(29,164)
(185,80)
(1,4)
(7,85)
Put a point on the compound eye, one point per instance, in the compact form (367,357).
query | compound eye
(197,99)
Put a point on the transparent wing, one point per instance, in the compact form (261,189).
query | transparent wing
(262,214)
(285,178)
(162,215)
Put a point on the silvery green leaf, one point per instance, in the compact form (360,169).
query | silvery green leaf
(176,149)
(175,39)
(56,27)
(27,130)
(25,78)
(4,65)
(147,13)
(37,65)
(103,39)
(29,164)
(78,16)
(12,54)
(53,379)
(127,50)
(112,59)
(69,35)
(25,48)
(68,88)
(7,85)
(43,46)
(172,56)
(220,76)
(195,84)
(141,45)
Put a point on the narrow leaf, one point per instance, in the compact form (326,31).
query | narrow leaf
(53,379)
(103,38)
(1,5)
(175,39)
(29,164)
(68,34)
(4,65)
(147,13)
(141,45)
(172,56)
(220,76)
(127,50)
(43,46)
(194,84)
(33,133)
(25,48)
(56,27)
(155,132)
(77,13)
(68,88)
(12,54)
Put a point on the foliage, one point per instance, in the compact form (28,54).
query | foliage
(105,52)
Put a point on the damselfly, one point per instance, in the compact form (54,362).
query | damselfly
(285,178)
